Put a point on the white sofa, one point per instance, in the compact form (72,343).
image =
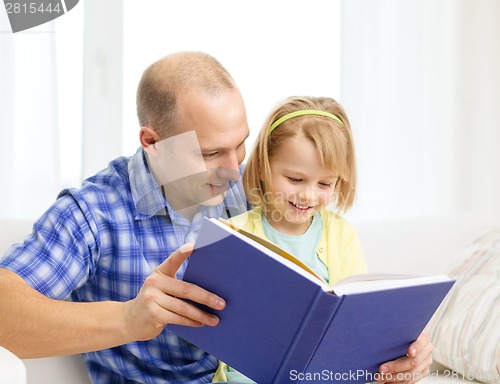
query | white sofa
(423,246)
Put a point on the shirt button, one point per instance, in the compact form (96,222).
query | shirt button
(320,249)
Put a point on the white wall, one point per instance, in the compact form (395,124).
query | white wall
(103,78)
(477,107)
(273,49)
(421,84)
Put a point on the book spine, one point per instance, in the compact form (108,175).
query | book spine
(307,339)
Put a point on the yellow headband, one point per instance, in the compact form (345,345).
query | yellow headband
(303,112)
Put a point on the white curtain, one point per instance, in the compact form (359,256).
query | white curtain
(28,121)
(421,84)
(40,113)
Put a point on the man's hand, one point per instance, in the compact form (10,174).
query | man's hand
(412,367)
(159,301)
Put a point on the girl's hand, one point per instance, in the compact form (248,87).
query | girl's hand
(410,368)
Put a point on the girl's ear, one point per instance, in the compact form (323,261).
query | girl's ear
(148,136)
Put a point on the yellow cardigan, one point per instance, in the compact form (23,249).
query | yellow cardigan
(339,248)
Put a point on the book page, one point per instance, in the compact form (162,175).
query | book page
(369,282)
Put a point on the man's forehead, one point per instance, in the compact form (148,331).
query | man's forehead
(218,120)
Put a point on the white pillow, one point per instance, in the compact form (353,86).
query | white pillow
(465,330)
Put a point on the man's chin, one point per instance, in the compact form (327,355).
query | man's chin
(215,200)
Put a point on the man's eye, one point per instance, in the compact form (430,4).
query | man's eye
(210,155)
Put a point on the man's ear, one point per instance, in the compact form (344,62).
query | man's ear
(148,136)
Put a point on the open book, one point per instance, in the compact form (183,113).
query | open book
(283,324)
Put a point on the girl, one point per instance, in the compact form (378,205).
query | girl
(302,163)
(300,171)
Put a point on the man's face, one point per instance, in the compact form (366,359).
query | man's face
(195,165)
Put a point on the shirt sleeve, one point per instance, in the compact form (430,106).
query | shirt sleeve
(57,257)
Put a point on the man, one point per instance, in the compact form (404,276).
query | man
(118,245)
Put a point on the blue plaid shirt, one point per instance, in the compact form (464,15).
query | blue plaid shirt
(100,242)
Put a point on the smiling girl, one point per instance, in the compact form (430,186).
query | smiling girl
(300,175)
(303,163)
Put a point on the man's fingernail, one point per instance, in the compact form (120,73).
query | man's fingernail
(187,247)
(384,369)
(214,320)
(219,303)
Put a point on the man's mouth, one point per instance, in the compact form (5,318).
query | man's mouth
(217,189)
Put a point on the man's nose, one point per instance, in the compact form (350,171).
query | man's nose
(228,174)
(229,168)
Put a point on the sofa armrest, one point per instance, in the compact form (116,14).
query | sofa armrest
(12,369)
(57,370)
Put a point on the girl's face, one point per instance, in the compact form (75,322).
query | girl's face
(301,186)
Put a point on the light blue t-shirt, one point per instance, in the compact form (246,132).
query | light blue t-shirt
(303,247)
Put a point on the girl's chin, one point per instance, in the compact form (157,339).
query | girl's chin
(299,216)
(302,220)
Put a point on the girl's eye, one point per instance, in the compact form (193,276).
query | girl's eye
(325,185)
(294,180)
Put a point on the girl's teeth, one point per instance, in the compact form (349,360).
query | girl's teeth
(300,206)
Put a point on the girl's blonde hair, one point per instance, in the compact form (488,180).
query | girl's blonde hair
(332,139)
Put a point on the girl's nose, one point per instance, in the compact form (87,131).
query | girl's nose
(308,196)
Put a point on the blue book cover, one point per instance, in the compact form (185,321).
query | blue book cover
(282,324)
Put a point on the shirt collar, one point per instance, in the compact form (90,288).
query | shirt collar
(148,200)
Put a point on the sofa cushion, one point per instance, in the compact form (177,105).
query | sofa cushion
(465,329)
